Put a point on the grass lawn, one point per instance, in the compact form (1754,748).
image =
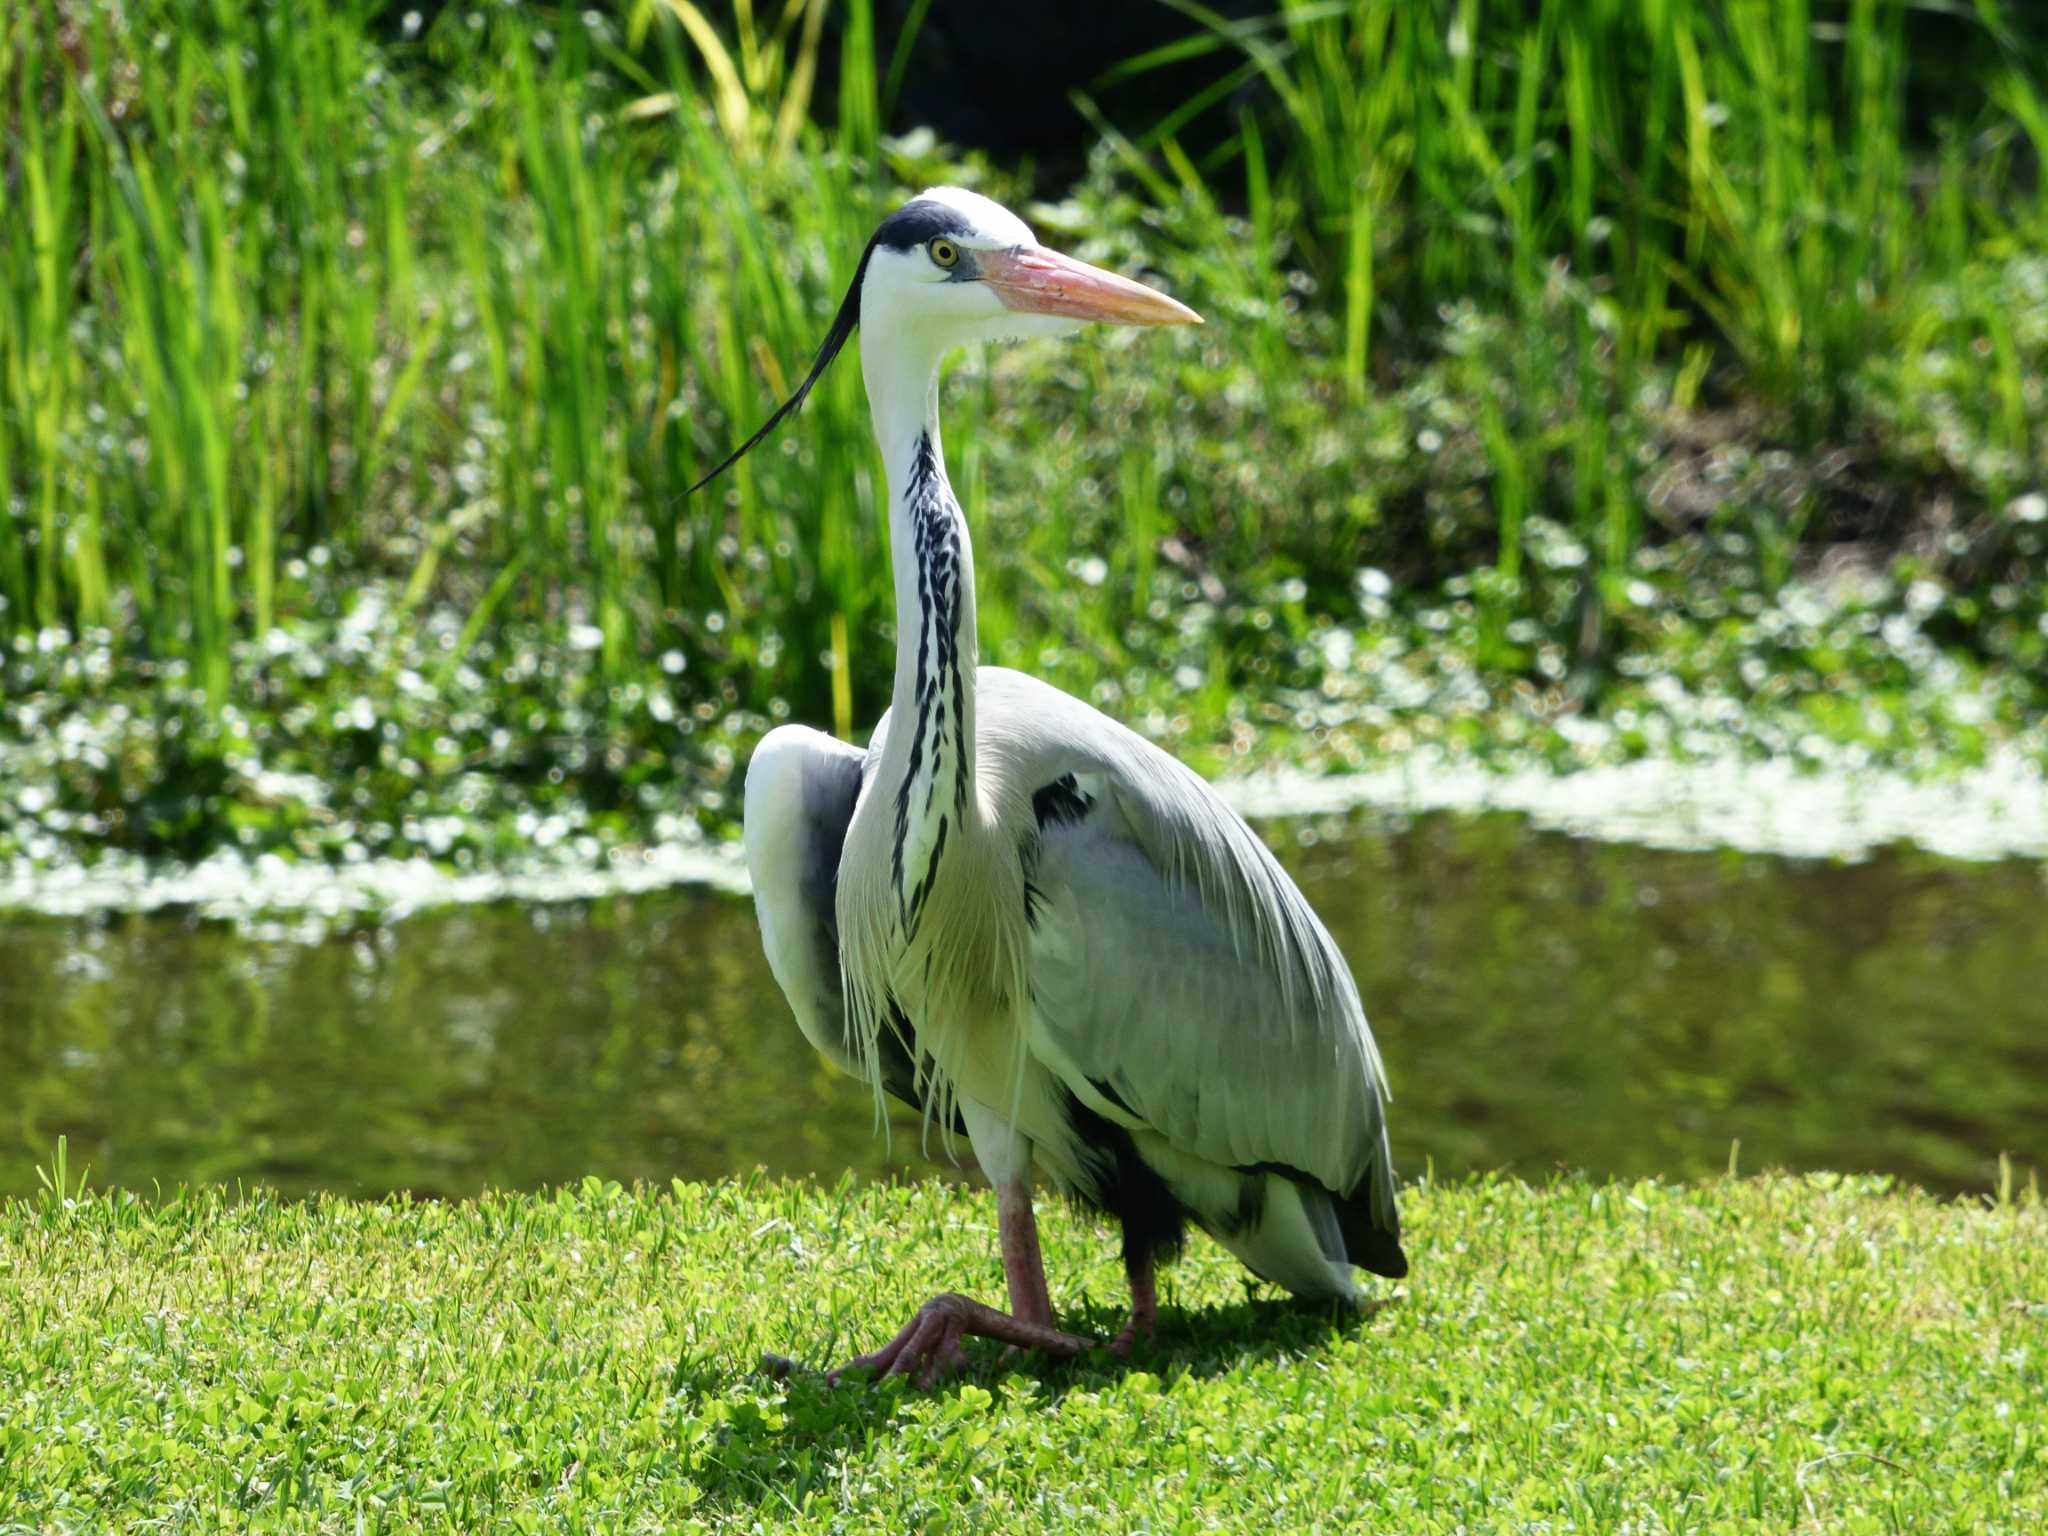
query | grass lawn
(1761,1354)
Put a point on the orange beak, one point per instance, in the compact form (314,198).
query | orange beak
(1035,281)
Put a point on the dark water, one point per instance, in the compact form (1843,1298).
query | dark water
(1540,1001)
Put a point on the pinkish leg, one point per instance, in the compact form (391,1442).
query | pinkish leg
(1023,1264)
(929,1347)
(1144,1307)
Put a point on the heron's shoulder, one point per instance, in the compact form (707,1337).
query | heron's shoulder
(1006,685)
(800,790)
(793,761)
(1020,708)
(1036,741)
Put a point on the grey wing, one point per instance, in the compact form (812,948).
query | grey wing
(802,786)
(801,789)
(1182,982)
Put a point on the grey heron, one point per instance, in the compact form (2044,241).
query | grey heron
(1027,920)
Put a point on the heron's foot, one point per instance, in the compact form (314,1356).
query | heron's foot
(1144,1308)
(1144,1304)
(1138,1329)
(929,1348)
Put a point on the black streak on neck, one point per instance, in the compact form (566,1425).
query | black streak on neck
(941,679)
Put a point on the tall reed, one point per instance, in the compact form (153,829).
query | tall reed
(467,313)
(1660,181)
(222,349)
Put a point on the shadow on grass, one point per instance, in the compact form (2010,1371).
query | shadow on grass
(770,1459)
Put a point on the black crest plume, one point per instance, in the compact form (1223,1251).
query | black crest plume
(843,325)
(918,221)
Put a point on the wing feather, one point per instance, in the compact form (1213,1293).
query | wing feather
(1180,978)
(801,789)
(802,786)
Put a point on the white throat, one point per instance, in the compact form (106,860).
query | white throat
(902,375)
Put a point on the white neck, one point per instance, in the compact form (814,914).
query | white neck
(928,761)
(903,398)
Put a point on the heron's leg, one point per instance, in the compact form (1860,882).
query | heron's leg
(1023,1264)
(1144,1304)
(929,1345)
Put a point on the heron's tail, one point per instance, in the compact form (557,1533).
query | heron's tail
(1368,1242)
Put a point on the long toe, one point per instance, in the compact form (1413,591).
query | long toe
(1134,1333)
(927,1339)
(945,1357)
(879,1362)
(929,1348)
(926,1350)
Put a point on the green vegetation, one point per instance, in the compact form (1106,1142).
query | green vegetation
(1754,1355)
(1581,380)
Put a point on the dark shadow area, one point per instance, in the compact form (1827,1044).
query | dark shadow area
(762,1462)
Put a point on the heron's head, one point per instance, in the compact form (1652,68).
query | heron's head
(951,266)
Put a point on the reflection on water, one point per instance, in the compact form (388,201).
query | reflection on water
(1541,1002)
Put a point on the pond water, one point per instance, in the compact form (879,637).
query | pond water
(1542,1002)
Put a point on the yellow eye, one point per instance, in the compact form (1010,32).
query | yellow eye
(944,252)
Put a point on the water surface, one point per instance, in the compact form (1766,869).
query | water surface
(1542,1002)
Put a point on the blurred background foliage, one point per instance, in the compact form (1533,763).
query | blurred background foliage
(1581,379)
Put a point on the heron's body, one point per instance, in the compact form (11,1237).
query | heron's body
(1025,919)
(1154,1068)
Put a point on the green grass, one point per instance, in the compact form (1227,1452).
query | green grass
(1593,328)
(1762,1354)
